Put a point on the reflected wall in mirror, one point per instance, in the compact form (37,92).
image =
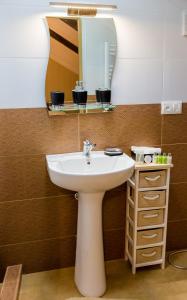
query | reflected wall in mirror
(80,49)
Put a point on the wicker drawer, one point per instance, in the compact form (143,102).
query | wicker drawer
(148,217)
(151,199)
(148,237)
(148,255)
(152,179)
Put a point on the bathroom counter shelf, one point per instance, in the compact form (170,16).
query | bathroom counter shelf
(81,109)
(153,166)
(147,214)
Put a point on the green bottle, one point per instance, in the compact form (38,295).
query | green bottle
(159,159)
(164,158)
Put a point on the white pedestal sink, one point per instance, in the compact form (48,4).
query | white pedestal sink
(71,171)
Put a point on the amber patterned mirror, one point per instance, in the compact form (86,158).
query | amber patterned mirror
(80,49)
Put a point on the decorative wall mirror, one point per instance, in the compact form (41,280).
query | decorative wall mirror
(82,58)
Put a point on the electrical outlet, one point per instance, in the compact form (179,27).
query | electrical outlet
(171,107)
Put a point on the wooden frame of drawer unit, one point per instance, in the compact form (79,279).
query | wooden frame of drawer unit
(159,198)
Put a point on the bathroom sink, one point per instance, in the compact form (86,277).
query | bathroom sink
(72,171)
(91,178)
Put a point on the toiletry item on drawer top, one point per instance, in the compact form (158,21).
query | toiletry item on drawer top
(144,154)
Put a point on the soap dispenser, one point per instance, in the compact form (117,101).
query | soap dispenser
(79,93)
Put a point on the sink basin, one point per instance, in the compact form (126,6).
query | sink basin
(71,171)
(91,179)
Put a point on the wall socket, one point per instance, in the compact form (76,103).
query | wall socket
(171,107)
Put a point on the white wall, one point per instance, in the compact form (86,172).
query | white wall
(152,53)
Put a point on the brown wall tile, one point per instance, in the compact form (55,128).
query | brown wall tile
(55,253)
(114,243)
(37,182)
(39,256)
(49,135)
(37,219)
(177,202)
(11,133)
(11,178)
(179,153)
(173,126)
(26,135)
(127,125)
(31,131)
(177,233)
(114,210)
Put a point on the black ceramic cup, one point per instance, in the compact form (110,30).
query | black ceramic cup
(79,98)
(103,96)
(57,98)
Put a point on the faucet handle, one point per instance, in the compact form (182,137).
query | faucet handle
(89,143)
(93,145)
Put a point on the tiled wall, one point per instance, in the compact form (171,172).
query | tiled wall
(38,219)
(151,61)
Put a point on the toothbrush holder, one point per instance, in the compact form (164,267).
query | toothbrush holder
(57,98)
(80,97)
(103,96)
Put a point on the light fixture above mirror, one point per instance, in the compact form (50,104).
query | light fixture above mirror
(82,9)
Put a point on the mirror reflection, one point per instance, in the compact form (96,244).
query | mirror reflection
(81,61)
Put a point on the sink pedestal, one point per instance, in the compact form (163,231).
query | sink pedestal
(90,268)
(70,171)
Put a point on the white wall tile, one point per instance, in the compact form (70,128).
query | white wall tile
(175,80)
(149,45)
(25,2)
(175,44)
(143,5)
(22,82)
(137,81)
(23,32)
(140,35)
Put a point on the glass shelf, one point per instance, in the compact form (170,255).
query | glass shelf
(80,109)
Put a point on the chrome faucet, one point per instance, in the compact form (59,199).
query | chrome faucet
(87,148)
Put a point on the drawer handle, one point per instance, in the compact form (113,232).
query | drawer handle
(153,179)
(150,216)
(150,236)
(152,198)
(149,255)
